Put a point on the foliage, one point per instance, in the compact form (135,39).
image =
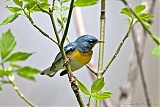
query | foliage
(138,10)
(95,88)
(7,45)
(144,18)
(81,3)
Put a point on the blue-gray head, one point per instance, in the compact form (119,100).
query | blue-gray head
(86,43)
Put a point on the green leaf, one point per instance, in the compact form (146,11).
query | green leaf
(139,8)
(44,6)
(5,72)
(18,2)
(0,88)
(147,24)
(4,81)
(126,11)
(26,0)
(13,9)
(29,77)
(15,66)
(81,3)
(28,70)
(145,16)
(97,85)
(156,51)
(44,1)
(102,96)
(7,44)
(18,56)
(83,88)
(30,5)
(10,19)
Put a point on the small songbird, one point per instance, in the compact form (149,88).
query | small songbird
(79,54)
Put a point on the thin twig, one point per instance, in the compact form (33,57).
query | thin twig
(91,69)
(38,28)
(54,25)
(119,48)
(11,80)
(53,2)
(128,89)
(139,61)
(67,24)
(41,8)
(50,13)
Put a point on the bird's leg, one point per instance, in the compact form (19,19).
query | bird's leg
(66,62)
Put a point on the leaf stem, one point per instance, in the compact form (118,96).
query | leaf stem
(11,80)
(139,62)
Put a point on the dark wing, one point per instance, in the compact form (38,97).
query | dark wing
(68,49)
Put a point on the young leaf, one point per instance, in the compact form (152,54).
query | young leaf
(102,96)
(42,5)
(27,73)
(18,56)
(18,2)
(28,70)
(145,16)
(7,44)
(15,66)
(10,19)
(139,8)
(29,77)
(5,72)
(97,85)
(30,5)
(83,88)
(13,9)
(126,11)
(81,3)
(26,0)
(156,51)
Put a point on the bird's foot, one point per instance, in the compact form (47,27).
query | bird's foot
(66,62)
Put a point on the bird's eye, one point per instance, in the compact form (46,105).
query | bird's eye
(92,41)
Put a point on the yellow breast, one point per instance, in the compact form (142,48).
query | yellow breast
(82,57)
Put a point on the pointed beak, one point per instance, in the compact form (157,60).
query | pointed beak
(100,42)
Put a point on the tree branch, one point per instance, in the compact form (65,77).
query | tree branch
(67,24)
(128,89)
(11,80)
(38,28)
(119,48)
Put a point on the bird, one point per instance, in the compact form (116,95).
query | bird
(78,52)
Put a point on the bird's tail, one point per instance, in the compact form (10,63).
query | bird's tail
(48,72)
